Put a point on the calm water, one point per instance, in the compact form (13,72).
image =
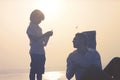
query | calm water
(52,75)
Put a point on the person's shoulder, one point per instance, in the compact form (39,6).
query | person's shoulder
(73,53)
(33,28)
(30,27)
(93,51)
(71,56)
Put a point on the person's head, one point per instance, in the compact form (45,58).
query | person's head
(36,16)
(80,41)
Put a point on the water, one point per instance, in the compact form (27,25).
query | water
(51,75)
(54,75)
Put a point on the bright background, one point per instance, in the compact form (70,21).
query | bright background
(65,18)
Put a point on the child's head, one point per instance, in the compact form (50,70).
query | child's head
(36,16)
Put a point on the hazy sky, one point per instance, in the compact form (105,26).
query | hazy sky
(61,16)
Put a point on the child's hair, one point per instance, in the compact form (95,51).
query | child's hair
(36,15)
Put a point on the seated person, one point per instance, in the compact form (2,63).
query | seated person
(82,58)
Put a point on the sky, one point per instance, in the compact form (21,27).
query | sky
(65,18)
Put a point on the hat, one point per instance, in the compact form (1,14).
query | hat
(91,38)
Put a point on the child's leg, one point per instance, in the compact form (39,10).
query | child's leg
(32,75)
(39,76)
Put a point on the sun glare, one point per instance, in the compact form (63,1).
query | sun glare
(53,75)
(49,7)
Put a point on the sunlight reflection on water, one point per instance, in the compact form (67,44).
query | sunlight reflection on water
(54,75)
(50,75)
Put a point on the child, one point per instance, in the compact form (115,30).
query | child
(38,41)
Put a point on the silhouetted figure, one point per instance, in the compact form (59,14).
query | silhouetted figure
(113,69)
(38,41)
(82,58)
(94,73)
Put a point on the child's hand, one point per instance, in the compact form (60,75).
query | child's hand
(49,33)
